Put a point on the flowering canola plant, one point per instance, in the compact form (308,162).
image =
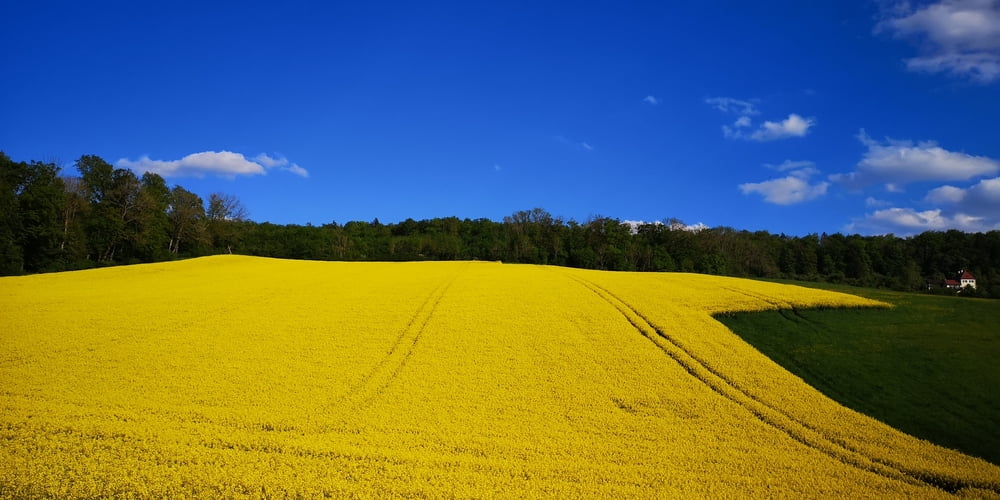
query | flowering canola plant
(237,377)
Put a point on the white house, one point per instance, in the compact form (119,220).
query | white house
(965,279)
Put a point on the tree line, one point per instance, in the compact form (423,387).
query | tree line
(103,216)
(109,216)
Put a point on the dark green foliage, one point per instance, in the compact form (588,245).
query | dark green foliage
(186,213)
(927,366)
(11,253)
(74,232)
(31,207)
(535,237)
(152,228)
(41,206)
(109,216)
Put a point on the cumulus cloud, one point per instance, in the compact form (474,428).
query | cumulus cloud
(223,163)
(789,190)
(907,221)
(982,198)
(972,209)
(895,163)
(220,163)
(651,100)
(946,194)
(956,37)
(793,126)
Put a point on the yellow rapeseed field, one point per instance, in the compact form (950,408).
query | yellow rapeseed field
(232,376)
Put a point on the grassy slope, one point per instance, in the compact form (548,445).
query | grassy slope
(930,366)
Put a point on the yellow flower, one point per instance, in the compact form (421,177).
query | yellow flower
(245,377)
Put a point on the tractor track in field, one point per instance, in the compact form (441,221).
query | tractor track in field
(950,485)
(379,377)
(768,414)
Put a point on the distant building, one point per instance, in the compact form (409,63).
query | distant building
(967,279)
(964,279)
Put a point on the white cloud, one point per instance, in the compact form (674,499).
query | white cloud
(791,189)
(281,163)
(987,191)
(730,105)
(297,170)
(899,162)
(972,209)
(872,202)
(651,100)
(981,199)
(957,37)
(907,221)
(946,194)
(733,132)
(790,165)
(586,146)
(786,190)
(221,163)
(981,67)
(793,126)
(269,162)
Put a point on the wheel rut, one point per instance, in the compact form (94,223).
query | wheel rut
(768,414)
(375,381)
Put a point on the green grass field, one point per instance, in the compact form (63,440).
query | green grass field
(929,366)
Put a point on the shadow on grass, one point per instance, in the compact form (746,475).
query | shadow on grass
(930,366)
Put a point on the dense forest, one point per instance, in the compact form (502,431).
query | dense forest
(108,216)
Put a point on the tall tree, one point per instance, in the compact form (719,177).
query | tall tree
(152,239)
(123,202)
(74,236)
(40,202)
(103,227)
(187,221)
(225,217)
(11,253)
(97,175)
(31,196)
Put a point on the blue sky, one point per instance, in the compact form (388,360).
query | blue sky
(793,117)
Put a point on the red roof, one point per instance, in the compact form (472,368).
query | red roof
(967,276)
(951,282)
